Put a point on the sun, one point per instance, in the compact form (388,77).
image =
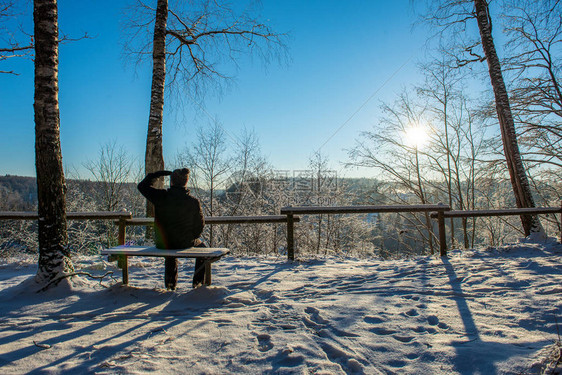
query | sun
(416,136)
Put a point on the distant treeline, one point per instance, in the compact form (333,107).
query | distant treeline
(385,235)
(21,191)
(24,187)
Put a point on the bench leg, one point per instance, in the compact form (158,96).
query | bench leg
(123,264)
(207,273)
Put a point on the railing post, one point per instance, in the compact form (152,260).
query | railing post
(442,235)
(290,237)
(122,231)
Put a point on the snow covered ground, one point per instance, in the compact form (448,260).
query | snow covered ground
(476,312)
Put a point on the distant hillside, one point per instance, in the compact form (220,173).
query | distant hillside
(25,187)
(21,192)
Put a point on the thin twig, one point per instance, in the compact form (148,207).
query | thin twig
(42,346)
(58,279)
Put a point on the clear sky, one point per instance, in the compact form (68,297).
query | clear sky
(341,54)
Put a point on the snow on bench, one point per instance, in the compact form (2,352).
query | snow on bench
(123,252)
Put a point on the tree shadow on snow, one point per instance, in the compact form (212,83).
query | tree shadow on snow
(475,355)
(92,325)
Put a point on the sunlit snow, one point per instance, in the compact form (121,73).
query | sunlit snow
(477,312)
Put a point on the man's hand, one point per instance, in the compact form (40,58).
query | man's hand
(145,186)
(162,173)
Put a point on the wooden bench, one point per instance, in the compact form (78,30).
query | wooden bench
(121,253)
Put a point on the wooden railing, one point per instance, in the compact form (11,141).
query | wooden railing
(101,215)
(495,212)
(288,215)
(124,219)
(439,209)
(120,216)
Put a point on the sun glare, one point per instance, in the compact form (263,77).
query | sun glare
(416,136)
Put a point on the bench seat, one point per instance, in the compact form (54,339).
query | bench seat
(208,254)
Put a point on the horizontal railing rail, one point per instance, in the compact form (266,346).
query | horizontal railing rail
(100,215)
(290,211)
(320,210)
(493,213)
(124,219)
(501,212)
(220,220)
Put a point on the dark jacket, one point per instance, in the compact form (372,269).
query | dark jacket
(178,219)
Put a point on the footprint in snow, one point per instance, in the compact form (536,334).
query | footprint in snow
(412,312)
(321,325)
(403,338)
(412,356)
(382,331)
(373,319)
(397,363)
(314,314)
(264,342)
(433,320)
(343,358)
(412,297)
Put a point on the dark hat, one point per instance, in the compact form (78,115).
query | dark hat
(179,177)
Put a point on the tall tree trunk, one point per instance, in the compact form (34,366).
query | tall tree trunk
(54,254)
(154,158)
(519,181)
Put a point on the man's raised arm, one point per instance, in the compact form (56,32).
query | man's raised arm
(145,186)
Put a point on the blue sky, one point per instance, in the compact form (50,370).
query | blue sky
(341,54)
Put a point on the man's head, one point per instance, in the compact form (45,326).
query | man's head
(179,177)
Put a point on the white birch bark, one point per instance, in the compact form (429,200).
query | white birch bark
(154,159)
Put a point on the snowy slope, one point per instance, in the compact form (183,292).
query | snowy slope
(477,312)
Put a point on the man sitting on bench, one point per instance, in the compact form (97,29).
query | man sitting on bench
(178,221)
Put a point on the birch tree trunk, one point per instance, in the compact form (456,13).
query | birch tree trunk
(519,181)
(154,159)
(54,254)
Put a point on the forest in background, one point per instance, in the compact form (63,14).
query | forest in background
(374,235)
